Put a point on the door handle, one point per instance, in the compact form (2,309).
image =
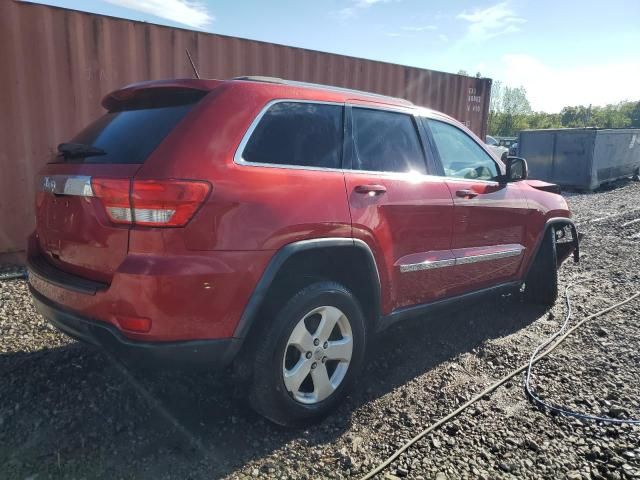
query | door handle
(466,193)
(371,189)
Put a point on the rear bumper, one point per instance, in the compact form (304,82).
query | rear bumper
(186,297)
(210,353)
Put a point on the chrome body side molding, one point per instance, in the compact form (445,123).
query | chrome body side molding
(427,265)
(461,257)
(515,252)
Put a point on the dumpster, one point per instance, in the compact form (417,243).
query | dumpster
(581,158)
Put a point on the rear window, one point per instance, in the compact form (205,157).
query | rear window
(128,136)
(294,133)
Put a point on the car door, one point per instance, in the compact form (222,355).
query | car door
(401,211)
(489,226)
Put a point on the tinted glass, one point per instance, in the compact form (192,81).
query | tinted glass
(461,156)
(386,142)
(128,136)
(305,134)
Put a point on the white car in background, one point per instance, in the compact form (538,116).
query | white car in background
(501,152)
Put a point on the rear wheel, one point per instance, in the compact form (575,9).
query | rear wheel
(310,356)
(541,284)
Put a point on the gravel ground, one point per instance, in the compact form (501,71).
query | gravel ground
(67,411)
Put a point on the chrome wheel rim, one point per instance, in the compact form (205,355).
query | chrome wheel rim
(317,355)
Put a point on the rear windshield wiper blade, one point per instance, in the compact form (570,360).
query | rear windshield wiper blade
(79,150)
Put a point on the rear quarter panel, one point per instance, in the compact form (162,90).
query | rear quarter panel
(250,207)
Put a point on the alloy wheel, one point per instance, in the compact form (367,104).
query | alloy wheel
(317,355)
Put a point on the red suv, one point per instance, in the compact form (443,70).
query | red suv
(279,225)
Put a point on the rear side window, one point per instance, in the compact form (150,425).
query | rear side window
(293,133)
(128,136)
(386,142)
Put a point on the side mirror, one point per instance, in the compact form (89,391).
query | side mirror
(516,169)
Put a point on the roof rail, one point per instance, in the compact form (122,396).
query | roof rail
(295,83)
(260,78)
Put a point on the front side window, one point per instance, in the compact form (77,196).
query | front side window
(386,142)
(294,133)
(460,155)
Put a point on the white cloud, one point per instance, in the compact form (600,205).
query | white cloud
(357,5)
(490,22)
(424,28)
(551,88)
(345,13)
(188,12)
(480,67)
(368,3)
(412,31)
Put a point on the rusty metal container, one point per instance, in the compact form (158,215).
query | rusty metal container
(581,158)
(57,64)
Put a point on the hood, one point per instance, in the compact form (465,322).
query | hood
(544,186)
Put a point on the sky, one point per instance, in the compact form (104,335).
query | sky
(563,52)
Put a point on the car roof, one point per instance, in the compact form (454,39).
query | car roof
(258,82)
(349,92)
(274,87)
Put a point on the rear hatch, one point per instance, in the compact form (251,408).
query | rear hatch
(76,230)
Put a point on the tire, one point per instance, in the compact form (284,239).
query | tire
(272,392)
(541,284)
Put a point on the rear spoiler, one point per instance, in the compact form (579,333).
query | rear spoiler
(161,93)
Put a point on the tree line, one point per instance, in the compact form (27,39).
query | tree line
(510,112)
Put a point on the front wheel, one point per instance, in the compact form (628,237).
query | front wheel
(541,284)
(308,359)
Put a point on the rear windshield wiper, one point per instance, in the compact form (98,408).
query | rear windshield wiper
(79,150)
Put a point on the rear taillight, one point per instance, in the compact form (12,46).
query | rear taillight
(154,203)
(169,203)
(114,195)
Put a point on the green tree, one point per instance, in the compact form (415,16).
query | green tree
(510,112)
(509,108)
(610,116)
(539,120)
(631,110)
(620,115)
(495,106)
(516,108)
(634,114)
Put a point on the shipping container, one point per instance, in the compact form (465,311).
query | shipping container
(57,64)
(581,158)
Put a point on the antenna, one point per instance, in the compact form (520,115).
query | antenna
(193,65)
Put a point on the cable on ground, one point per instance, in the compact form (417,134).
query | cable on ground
(13,276)
(491,388)
(549,407)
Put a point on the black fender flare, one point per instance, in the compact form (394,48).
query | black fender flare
(549,224)
(278,260)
